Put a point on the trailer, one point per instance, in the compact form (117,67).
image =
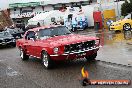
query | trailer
(75,19)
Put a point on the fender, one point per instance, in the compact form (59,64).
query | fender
(46,49)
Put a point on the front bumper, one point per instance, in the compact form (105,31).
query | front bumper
(115,28)
(73,55)
(7,43)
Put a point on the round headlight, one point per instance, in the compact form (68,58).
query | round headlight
(97,41)
(56,50)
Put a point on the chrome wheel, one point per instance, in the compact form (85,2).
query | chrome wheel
(45,60)
(21,53)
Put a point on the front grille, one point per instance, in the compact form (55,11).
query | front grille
(0,41)
(79,46)
(7,40)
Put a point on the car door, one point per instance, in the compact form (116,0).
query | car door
(37,46)
(29,43)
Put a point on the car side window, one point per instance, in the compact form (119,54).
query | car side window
(30,35)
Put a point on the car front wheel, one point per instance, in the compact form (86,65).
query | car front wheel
(23,55)
(46,60)
(91,57)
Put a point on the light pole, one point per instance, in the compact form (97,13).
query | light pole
(0,11)
(117,8)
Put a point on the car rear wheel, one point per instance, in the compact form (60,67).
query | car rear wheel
(13,44)
(23,55)
(46,60)
(91,57)
(126,26)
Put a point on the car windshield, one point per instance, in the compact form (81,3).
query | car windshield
(11,31)
(54,31)
(4,34)
(1,34)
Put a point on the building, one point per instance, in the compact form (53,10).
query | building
(21,12)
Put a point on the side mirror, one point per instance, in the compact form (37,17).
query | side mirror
(32,39)
(22,35)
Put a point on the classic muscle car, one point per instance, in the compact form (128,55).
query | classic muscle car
(7,39)
(56,43)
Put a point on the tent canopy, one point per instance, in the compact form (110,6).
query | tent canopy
(42,16)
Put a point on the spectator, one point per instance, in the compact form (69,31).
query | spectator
(38,24)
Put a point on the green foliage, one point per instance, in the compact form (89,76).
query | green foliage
(126,8)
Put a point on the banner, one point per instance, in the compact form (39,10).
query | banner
(24,4)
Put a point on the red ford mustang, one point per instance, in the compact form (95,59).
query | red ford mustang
(55,43)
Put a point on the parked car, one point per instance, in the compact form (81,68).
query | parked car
(16,33)
(123,24)
(75,21)
(56,43)
(7,39)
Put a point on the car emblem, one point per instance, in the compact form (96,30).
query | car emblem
(80,46)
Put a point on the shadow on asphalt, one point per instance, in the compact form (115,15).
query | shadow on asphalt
(82,62)
(6,47)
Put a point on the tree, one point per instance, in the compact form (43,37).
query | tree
(126,8)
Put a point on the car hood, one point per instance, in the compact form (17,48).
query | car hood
(120,21)
(68,39)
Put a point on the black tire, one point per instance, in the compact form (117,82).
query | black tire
(128,34)
(126,26)
(23,54)
(46,60)
(91,57)
(13,44)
